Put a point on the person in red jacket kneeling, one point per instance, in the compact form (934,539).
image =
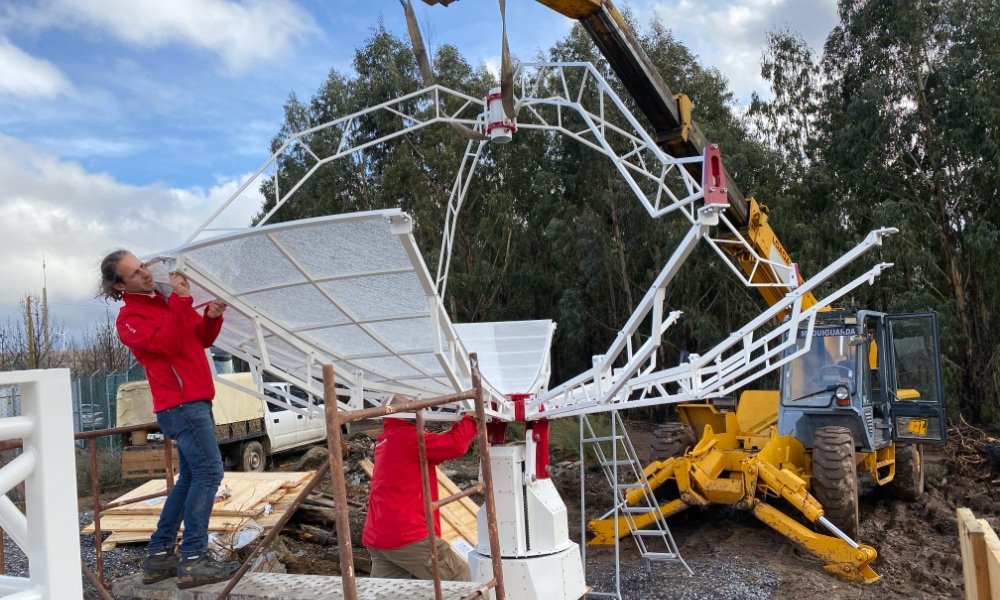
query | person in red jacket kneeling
(396,526)
(168,337)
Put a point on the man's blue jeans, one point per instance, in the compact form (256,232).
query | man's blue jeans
(192,428)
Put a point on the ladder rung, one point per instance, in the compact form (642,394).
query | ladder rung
(639,509)
(608,438)
(660,556)
(649,532)
(611,463)
(628,486)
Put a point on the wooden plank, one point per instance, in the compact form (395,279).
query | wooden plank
(973,544)
(247,496)
(250,491)
(458,519)
(992,557)
(136,523)
(128,537)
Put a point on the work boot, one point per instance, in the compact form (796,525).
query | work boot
(200,569)
(159,566)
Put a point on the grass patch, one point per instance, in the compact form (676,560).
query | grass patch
(109,470)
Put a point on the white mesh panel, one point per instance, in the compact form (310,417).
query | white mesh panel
(407,334)
(513,356)
(381,296)
(347,341)
(247,263)
(351,290)
(348,248)
(312,307)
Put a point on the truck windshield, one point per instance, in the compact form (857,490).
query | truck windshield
(830,360)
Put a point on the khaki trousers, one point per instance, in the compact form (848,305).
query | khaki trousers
(413,561)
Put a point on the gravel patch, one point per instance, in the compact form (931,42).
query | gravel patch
(124,560)
(712,580)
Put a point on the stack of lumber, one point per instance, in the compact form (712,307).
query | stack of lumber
(263,497)
(458,519)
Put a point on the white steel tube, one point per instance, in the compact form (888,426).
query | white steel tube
(17,470)
(53,548)
(13,428)
(14,522)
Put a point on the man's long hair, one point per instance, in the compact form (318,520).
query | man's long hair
(109,275)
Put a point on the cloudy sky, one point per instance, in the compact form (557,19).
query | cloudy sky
(127,122)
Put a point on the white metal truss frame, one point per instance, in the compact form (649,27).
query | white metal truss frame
(46,531)
(575,100)
(659,181)
(459,189)
(745,355)
(411,112)
(554,97)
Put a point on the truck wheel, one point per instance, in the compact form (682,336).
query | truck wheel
(908,482)
(835,477)
(252,457)
(670,440)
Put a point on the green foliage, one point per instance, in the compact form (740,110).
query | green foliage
(109,470)
(894,125)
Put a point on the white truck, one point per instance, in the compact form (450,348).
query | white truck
(247,428)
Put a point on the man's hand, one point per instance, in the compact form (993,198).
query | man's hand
(179,284)
(215,309)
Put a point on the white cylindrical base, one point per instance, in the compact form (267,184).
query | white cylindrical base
(556,576)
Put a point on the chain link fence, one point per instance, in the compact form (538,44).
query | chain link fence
(94,398)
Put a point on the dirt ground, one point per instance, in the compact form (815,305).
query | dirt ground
(730,550)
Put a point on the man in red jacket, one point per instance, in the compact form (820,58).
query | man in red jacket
(168,337)
(396,526)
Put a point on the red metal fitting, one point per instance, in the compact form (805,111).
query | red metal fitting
(713,177)
(540,435)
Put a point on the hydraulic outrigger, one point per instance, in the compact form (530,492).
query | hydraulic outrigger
(739,461)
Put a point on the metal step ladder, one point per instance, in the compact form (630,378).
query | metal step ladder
(624,473)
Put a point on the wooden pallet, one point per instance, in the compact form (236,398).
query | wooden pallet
(249,496)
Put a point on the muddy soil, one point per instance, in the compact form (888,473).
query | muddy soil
(732,554)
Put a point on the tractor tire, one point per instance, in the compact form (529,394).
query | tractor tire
(670,440)
(908,482)
(835,477)
(252,458)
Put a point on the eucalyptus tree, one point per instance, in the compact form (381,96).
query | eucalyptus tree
(911,131)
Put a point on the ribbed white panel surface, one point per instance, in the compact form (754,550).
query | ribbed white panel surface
(514,356)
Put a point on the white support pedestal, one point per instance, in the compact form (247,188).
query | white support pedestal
(539,560)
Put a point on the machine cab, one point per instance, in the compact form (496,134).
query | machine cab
(877,374)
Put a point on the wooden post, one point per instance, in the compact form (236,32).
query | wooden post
(980,556)
(339,486)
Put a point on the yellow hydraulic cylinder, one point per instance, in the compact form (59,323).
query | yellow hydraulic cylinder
(841,558)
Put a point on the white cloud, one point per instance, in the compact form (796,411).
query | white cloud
(731,36)
(56,209)
(243,34)
(24,75)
